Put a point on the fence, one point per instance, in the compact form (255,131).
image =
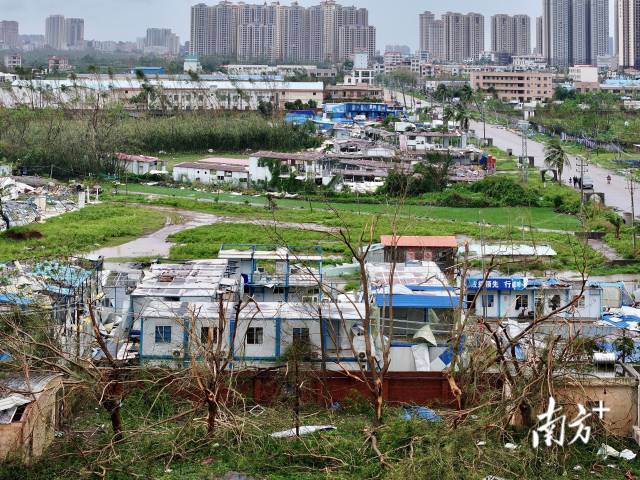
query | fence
(419,388)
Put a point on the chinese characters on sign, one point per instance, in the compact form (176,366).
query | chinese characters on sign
(552,428)
(503,284)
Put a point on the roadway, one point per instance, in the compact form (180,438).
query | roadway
(616,194)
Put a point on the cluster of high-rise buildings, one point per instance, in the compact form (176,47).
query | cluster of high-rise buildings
(9,34)
(324,33)
(160,41)
(511,34)
(64,33)
(455,37)
(575,32)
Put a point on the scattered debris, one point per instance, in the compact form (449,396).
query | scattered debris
(423,413)
(257,410)
(236,476)
(302,431)
(606,451)
(577,468)
(481,444)
(510,446)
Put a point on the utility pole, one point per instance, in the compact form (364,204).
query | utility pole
(633,214)
(582,163)
(524,127)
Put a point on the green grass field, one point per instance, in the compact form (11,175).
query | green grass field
(571,252)
(538,217)
(93,227)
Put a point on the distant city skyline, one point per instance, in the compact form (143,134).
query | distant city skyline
(396,22)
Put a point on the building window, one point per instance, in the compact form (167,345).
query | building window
(209,336)
(488,300)
(579,301)
(163,334)
(279,290)
(301,336)
(255,336)
(522,301)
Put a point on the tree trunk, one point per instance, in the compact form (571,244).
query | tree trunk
(116,423)
(212,406)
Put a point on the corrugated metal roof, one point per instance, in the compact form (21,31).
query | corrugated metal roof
(290,156)
(416,241)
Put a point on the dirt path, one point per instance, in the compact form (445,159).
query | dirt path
(156,244)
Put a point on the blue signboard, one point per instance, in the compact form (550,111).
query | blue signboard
(503,284)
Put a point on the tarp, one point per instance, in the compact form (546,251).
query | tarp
(418,301)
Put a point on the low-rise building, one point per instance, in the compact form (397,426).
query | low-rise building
(13,61)
(354,92)
(515,86)
(528,299)
(314,166)
(59,64)
(141,164)
(209,171)
(441,250)
(170,94)
(30,410)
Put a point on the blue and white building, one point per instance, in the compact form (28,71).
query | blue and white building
(524,298)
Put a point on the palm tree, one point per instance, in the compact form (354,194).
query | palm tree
(555,157)
(466,94)
(448,114)
(462,117)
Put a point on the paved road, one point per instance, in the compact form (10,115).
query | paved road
(616,194)
(157,244)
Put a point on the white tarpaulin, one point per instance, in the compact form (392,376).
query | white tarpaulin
(421,357)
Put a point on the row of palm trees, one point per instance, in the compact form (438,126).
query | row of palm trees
(556,157)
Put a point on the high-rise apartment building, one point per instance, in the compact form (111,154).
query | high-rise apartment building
(599,35)
(426,21)
(456,37)
(628,32)
(55,32)
(74,32)
(327,32)
(161,41)
(539,36)
(575,31)
(9,34)
(502,34)
(473,36)
(522,34)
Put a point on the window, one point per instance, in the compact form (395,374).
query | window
(255,336)
(488,300)
(163,334)
(278,290)
(522,301)
(301,336)
(209,336)
(579,299)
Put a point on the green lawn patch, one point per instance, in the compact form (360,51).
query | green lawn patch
(93,227)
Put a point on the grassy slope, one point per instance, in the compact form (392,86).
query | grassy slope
(413,449)
(536,217)
(93,227)
(565,244)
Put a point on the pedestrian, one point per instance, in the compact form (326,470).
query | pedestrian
(608,179)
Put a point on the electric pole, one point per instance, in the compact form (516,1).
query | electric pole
(633,213)
(524,126)
(582,163)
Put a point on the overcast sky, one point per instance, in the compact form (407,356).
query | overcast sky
(396,20)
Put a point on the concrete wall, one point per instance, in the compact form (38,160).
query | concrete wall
(620,395)
(30,437)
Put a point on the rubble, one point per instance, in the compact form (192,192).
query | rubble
(27,200)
